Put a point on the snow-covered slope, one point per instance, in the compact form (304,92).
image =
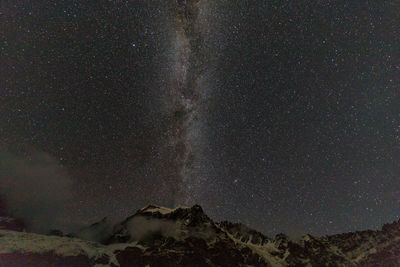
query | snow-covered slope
(158,236)
(20,244)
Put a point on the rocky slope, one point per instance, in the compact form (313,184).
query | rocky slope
(157,236)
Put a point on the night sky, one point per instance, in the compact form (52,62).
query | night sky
(282,115)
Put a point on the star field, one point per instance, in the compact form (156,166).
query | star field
(282,115)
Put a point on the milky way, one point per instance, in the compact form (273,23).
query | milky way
(185,95)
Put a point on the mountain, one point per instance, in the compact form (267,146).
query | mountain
(158,236)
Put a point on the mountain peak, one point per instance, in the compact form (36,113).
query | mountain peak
(191,216)
(186,236)
(159,209)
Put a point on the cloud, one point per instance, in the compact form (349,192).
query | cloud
(36,188)
(97,232)
(145,229)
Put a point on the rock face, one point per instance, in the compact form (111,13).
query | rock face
(158,236)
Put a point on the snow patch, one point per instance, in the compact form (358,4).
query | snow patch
(162,210)
(11,241)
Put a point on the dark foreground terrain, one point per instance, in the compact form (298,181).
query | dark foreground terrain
(157,236)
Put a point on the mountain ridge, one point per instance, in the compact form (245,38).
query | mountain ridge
(186,236)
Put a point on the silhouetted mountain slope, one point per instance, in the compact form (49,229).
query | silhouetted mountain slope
(158,236)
